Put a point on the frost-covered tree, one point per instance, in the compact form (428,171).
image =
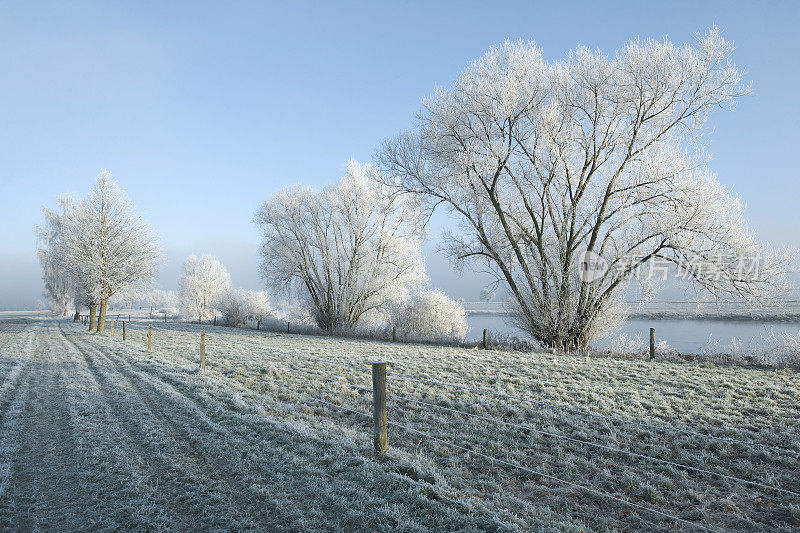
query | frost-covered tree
(487,294)
(258,307)
(232,304)
(203,279)
(238,306)
(542,162)
(430,316)
(108,247)
(59,285)
(164,302)
(347,249)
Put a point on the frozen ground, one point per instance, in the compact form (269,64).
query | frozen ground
(97,433)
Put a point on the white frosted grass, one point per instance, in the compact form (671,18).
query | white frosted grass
(750,413)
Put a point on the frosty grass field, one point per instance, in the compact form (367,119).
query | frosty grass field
(96,433)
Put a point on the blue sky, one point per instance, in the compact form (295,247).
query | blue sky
(202,110)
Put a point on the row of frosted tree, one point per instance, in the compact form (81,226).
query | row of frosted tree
(541,164)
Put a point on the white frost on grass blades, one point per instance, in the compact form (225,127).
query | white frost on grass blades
(710,399)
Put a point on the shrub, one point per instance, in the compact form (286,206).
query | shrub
(238,306)
(429,316)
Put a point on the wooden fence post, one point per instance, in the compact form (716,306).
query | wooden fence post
(287,327)
(652,343)
(124,336)
(111,328)
(215,320)
(202,351)
(394,334)
(379,414)
(484,338)
(149,337)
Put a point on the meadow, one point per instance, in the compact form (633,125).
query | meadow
(521,441)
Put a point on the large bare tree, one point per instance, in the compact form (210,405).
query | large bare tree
(546,164)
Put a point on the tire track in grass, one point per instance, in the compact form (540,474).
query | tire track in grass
(42,476)
(69,473)
(184,458)
(12,378)
(12,407)
(242,432)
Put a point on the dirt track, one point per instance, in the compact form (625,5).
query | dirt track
(95,434)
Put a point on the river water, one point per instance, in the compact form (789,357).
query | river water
(684,335)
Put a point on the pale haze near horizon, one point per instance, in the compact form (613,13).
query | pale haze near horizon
(201,113)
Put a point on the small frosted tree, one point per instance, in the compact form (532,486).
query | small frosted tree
(232,304)
(347,249)
(259,308)
(165,302)
(547,163)
(429,316)
(238,306)
(203,280)
(109,248)
(487,294)
(59,285)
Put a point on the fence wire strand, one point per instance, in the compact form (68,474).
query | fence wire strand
(601,446)
(572,410)
(556,479)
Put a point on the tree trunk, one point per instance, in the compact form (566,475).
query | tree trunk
(66,307)
(101,321)
(92,316)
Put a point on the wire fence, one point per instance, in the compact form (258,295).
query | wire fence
(294,362)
